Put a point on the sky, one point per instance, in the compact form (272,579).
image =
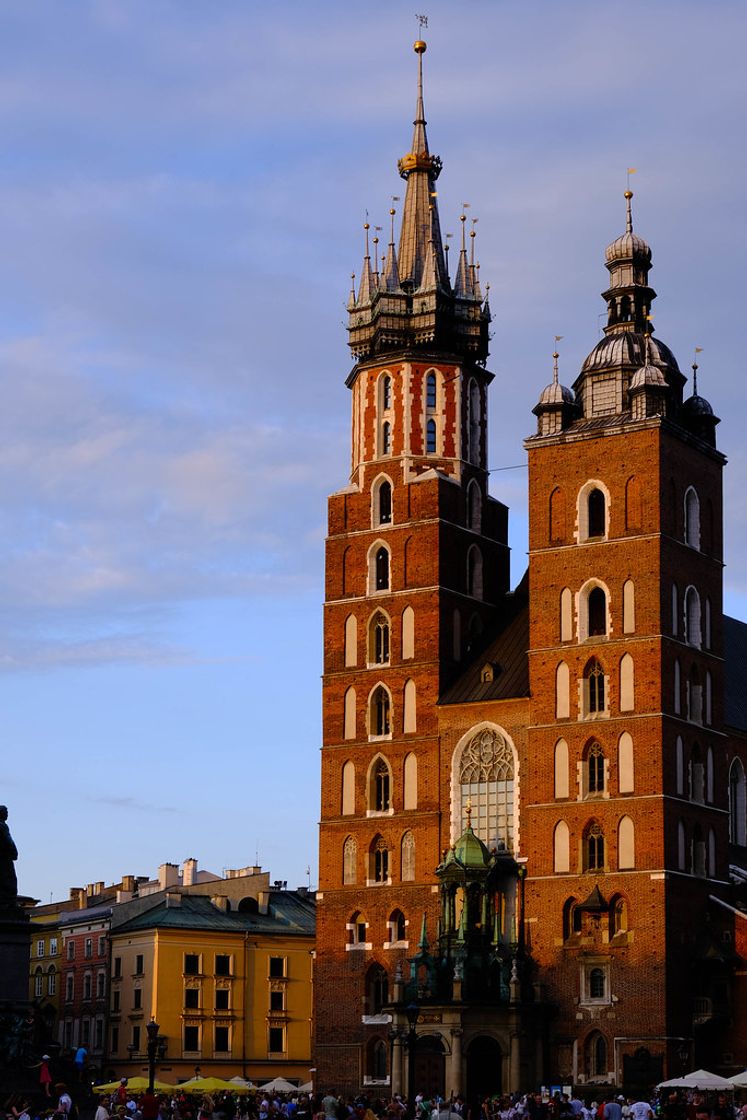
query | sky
(183,187)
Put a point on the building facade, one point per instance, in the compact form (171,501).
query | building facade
(526,794)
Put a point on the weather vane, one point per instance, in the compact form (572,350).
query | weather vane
(422,21)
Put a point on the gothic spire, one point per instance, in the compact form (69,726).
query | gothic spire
(420,169)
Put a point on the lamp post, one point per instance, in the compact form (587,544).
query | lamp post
(411,1011)
(152,1030)
(683,1053)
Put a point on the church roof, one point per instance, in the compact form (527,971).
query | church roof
(735,674)
(506,654)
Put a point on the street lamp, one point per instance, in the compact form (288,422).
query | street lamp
(683,1053)
(411,1011)
(152,1030)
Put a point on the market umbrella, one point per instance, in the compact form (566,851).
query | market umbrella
(134,1085)
(242,1081)
(739,1080)
(279,1085)
(212,1085)
(698,1079)
(307,1087)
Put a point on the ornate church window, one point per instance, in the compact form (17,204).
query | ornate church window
(350,862)
(383,502)
(380,793)
(692,518)
(597,511)
(595,770)
(381,569)
(379,861)
(378,641)
(595,691)
(430,391)
(408,858)
(430,437)
(594,847)
(486,780)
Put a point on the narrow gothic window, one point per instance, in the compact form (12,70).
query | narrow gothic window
(378,1060)
(692,518)
(596,983)
(430,391)
(397,926)
(430,436)
(473,506)
(594,844)
(595,684)
(386,438)
(597,608)
(385,503)
(378,990)
(350,862)
(379,640)
(486,779)
(382,569)
(381,787)
(595,769)
(386,393)
(596,1057)
(597,513)
(408,858)
(692,617)
(379,861)
(380,712)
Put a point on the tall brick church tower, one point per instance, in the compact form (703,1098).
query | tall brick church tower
(533,840)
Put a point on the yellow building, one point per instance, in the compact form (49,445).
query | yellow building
(44,965)
(231,989)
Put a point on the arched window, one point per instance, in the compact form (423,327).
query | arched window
(626,844)
(486,780)
(350,862)
(409,705)
(597,513)
(380,713)
(430,436)
(411,782)
(348,789)
(378,639)
(680,764)
(474,507)
(51,981)
(692,518)
(618,915)
(694,696)
(557,516)
(397,926)
(571,918)
(348,731)
(595,1055)
(697,853)
(561,769)
(383,503)
(561,848)
(737,804)
(594,847)
(474,572)
(351,641)
(597,611)
(377,989)
(408,633)
(381,569)
(380,863)
(562,691)
(378,1065)
(386,438)
(407,861)
(38,983)
(566,615)
(697,776)
(628,607)
(692,617)
(386,392)
(380,783)
(625,765)
(595,770)
(595,691)
(430,391)
(357,930)
(627,683)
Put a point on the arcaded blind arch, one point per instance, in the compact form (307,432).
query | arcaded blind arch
(625,766)
(675,610)
(628,607)
(474,506)
(348,789)
(411,782)
(483,775)
(350,862)
(626,844)
(692,518)
(410,718)
(557,516)
(562,691)
(349,719)
(561,769)
(677,688)
(737,804)
(408,633)
(692,617)
(351,641)
(566,615)
(709,776)
(627,684)
(633,511)
(407,858)
(680,764)
(561,846)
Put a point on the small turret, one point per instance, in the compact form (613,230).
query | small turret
(556,407)
(697,415)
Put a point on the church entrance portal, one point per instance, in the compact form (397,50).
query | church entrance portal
(430,1067)
(483,1067)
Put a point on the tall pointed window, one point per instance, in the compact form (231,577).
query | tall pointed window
(350,862)
(595,770)
(430,436)
(381,565)
(378,640)
(594,847)
(597,608)
(379,861)
(383,503)
(386,392)
(595,688)
(597,512)
(386,438)
(407,869)
(692,518)
(380,715)
(486,780)
(430,391)
(380,793)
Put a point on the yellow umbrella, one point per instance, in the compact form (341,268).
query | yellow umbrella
(134,1085)
(212,1085)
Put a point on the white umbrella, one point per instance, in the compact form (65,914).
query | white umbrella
(280,1085)
(242,1081)
(739,1080)
(698,1079)
(307,1087)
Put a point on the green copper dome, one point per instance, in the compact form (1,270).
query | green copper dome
(470,850)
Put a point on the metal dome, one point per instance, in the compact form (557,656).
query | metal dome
(626,247)
(648,377)
(555,394)
(628,349)
(697,406)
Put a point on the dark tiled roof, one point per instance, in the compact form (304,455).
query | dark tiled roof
(506,653)
(735,672)
(288,913)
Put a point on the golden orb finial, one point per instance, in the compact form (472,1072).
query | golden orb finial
(628,194)
(420,46)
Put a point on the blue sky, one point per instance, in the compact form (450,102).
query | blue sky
(182,191)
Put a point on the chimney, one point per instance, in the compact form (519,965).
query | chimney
(189,872)
(78,896)
(173,900)
(98,888)
(263,899)
(128,883)
(168,876)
